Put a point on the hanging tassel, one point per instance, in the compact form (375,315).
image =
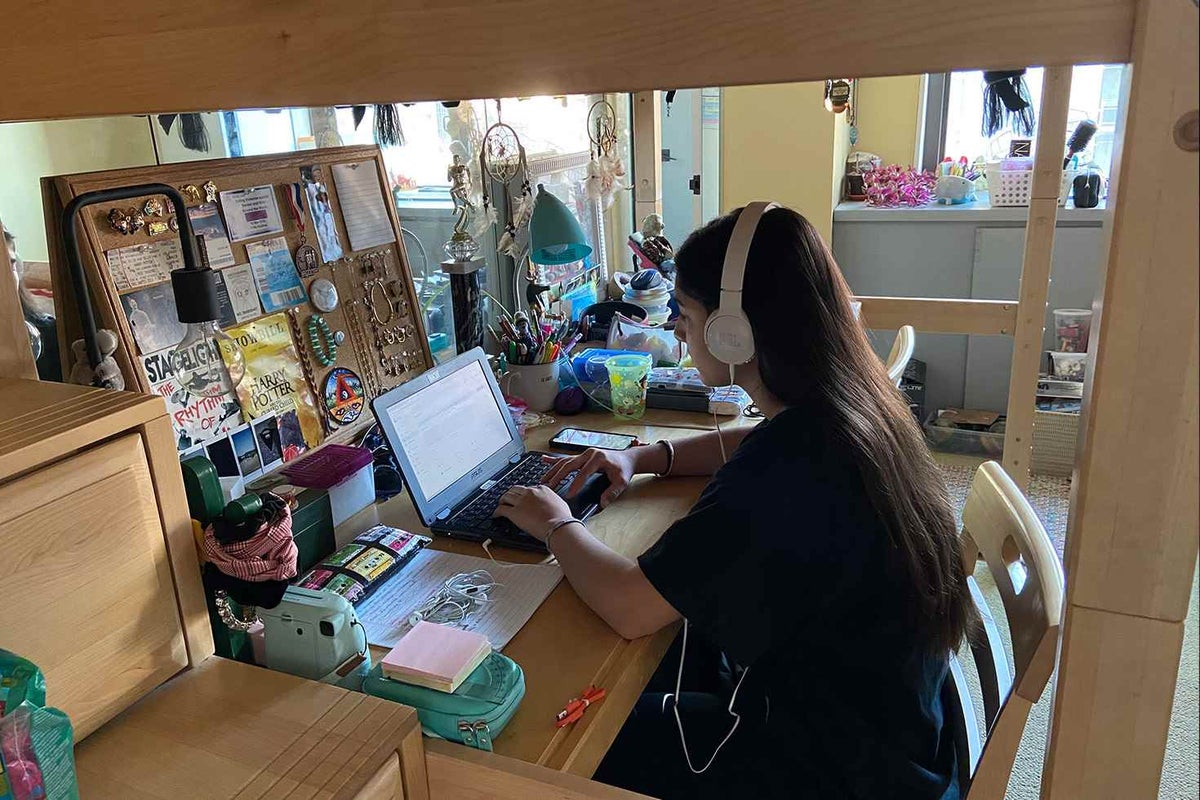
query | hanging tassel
(166,121)
(359,112)
(193,133)
(387,125)
(1006,99)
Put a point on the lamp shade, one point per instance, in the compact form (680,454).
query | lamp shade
(555,236)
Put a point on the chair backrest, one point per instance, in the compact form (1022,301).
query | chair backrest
(902,350)
(1000,526)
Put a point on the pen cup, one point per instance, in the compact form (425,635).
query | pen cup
(536,384)
(627,380)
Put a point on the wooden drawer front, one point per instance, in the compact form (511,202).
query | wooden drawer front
(385,783)
(96,612)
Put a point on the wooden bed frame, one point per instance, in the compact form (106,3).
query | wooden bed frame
(1132,543)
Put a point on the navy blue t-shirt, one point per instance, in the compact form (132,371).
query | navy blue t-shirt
(784,565)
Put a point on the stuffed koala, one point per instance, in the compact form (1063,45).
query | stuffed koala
(106,375)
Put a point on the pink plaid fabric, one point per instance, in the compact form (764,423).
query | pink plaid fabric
(269,555)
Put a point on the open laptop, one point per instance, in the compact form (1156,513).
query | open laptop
(458,449)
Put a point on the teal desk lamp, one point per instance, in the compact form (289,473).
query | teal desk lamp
(555,236)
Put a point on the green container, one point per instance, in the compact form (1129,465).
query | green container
(627,377)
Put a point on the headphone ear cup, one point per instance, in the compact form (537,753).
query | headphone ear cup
(729,337)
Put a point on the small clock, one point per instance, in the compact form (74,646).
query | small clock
(324,294)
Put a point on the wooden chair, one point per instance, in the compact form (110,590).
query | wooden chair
(902,350)
(1001,526)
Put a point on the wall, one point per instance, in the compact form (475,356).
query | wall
(32,150)
(777,143)
(888,110)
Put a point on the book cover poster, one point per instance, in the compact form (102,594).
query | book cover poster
(153,318)
(274,381)
(196,418)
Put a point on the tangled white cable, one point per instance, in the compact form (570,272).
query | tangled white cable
(457,598)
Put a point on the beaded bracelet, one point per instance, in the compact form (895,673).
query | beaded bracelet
(324,345)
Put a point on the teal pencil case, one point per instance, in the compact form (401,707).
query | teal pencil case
(473,714)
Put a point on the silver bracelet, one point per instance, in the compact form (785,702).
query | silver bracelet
(562,523)
(670,458)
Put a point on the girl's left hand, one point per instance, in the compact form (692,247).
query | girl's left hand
(533,509)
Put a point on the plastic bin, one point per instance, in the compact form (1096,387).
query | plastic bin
(1071,328)
(1009,187)
(1068,366)
(345,472)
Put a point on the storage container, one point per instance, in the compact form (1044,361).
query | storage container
(1068,366)
(1013,187)
(1071,328)
(345,472)
(1054,436)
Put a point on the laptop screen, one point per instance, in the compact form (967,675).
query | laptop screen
(450,427)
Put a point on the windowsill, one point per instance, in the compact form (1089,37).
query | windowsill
(978,211)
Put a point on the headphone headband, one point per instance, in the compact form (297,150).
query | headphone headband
(727,331)
(733,272)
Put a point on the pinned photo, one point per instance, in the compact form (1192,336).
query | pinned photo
(266,436)
(246,452)
(220,453)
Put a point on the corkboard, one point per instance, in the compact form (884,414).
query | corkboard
(352,315)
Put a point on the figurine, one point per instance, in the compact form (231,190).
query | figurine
(461,247)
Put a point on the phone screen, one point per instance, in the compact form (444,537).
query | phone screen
(574,437)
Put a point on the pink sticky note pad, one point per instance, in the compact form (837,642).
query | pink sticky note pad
(437,651)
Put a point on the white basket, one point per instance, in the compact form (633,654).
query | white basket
(1013,187)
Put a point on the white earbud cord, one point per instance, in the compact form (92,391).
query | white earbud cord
(737,718)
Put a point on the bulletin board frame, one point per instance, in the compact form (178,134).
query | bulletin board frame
(394,301)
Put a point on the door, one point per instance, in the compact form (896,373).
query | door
(681,170)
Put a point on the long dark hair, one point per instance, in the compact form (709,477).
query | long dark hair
(811,350)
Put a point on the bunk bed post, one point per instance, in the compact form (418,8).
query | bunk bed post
(647,156)
(1131,541)
(1035,272)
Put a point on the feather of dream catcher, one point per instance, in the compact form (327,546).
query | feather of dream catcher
(606,170)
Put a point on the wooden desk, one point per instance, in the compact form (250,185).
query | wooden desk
(565,647)
(231,730)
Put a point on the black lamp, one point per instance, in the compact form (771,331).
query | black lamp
(194,285)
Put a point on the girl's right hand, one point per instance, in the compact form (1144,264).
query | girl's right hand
(618,465)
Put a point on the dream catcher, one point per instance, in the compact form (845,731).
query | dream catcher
(606,171)
(502,158)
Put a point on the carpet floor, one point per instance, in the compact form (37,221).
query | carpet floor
(1050,498)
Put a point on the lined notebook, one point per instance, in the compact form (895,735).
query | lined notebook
(436,656)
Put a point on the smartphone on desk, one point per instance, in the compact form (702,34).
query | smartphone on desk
(576,440)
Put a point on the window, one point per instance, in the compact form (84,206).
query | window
(1095,91)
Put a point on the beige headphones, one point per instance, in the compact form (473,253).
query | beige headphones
(727,332)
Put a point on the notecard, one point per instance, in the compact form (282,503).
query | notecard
(363,209)
(251,212)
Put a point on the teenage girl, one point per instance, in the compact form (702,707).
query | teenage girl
(819,575)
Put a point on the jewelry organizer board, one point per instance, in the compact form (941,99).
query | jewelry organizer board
(352,314)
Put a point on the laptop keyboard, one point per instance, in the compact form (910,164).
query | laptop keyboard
(477,517)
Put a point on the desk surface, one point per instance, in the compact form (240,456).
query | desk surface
(565,647)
